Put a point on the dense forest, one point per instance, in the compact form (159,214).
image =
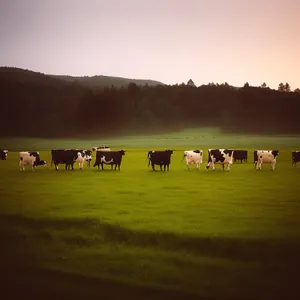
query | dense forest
(38,105)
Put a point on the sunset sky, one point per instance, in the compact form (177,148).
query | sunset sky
(234,41)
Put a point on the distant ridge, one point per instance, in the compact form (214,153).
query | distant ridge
(93,82)
(101,81)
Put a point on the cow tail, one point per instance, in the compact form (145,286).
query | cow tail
(148,160)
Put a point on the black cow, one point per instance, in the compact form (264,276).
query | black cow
(113,158)
(220,156)
(240,155)
(64,156)
(295,157)
(255,158)
(3,154)
(161,158)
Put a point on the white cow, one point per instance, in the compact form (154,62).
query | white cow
(80,160)
(30,158)
(265,156)
(193,157)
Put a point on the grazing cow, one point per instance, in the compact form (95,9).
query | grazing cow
(113,158)
(193,157)
(30,158)
(3,154)
(265,156)
(220,156)
(240,155)
(161,158)
(105,148)
(295,157)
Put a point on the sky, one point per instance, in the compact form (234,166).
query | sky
(172,41)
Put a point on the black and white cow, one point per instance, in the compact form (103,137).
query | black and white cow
(240,155)
(30,158)
(220,156)
(3,154)
(112,158)
(87,155)
(295,157)
(161,158)
(104,148)
(265,156)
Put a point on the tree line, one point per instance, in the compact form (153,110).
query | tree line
(55,108)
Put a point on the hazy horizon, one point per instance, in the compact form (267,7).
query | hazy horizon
(168,41)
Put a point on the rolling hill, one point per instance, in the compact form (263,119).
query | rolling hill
(101,81)
(93,82)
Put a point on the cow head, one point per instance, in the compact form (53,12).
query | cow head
(275,152)
(169,151)
(41,163)
(122,152)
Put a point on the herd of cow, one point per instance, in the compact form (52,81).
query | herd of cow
(104,156)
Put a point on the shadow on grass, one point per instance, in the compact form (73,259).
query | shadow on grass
(96,232)
(35,283)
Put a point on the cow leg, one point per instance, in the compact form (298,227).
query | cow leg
(258,165)
(160,167)
(228,167)
(273,166)
(152,164)
(102,165)
(187,165)
(223,166)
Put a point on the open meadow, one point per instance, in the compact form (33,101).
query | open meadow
(139,234)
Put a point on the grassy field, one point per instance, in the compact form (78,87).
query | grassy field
(139,234)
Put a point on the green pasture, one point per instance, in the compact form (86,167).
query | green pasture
(139,234)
